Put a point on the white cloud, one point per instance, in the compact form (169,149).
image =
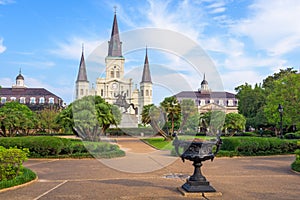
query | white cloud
(5,2)
(183,17)
(272,25)
(2,47)
(6,82)
(72,48)
(235,78)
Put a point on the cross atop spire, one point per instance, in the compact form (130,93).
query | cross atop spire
(115,45)
(146,71)
(115,7)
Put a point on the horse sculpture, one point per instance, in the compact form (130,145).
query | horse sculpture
(121,102)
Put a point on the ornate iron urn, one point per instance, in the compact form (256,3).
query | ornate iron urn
(197,151)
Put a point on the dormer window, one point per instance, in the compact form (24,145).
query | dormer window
(13,98)
(32,100)
(3,100)
(42,100)
(22,100)
(51,100)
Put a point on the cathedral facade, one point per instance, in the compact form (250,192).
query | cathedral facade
(114,87)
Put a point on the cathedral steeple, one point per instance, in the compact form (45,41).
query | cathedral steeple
(146,78)
(115,45)
(82,83)
(82,75)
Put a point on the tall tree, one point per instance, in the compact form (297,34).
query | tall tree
(251,103)
(46,120)
(285,91)
(16,118)
(155,116)
(173,111)
(234,122)
(188,110)
(90,117)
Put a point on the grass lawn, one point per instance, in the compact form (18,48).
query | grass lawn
(161,144)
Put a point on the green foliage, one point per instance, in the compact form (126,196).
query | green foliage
(251,102)
(147,131)
(255,146)
(11,162)
(16,118)
(55,147)
(173,112)
(234,122)
(155,116)
(189,115)
(25,176)
(89,117)
(285,91)
(46,121)
(296,164)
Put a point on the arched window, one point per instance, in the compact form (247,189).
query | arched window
(42,100)
(3,100)
(51,100)
(22,100)
(147,92)
(32,100)
(112,74)
(13,98)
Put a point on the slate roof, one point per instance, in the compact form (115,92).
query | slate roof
(199,95)
(146,78)
(115,48)
(26,92)
(82,75)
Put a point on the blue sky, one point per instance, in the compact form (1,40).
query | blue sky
(245,40)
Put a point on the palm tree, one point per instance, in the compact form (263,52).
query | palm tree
(173,110)
(154,116)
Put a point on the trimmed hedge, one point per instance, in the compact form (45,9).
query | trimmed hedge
(252,146)
(48,146)
(131,131)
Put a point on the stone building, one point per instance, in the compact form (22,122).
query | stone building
(114,87)
(206,99)
(34,98)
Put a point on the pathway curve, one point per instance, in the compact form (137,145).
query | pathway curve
(267,177)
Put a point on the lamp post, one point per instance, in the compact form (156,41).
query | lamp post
(280,110)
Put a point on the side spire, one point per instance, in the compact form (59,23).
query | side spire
(146,78)
(115,45)
(82,75)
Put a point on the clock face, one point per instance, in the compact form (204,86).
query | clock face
(114,86)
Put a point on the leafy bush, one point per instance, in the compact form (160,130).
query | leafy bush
(48,146)
(26,176)
(292,135)
(11,162)
(296,164)
(265,146)
(131,131)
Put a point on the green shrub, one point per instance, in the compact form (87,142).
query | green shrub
(25,176)
(48,146)
(131,131)
(39,146)
(230,143)
(296,164)
(292,135)
(11,162)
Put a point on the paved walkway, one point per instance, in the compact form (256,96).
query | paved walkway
(241,178)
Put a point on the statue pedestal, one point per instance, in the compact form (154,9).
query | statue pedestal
(129,121)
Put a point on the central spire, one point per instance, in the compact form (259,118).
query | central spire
(146,71)
(115,45)
(82,75)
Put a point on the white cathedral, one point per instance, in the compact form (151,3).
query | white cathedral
(114,88)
